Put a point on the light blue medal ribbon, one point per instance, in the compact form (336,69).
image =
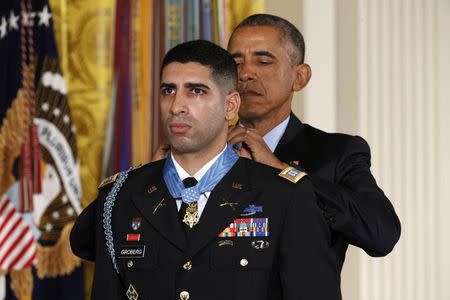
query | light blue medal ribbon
(215,173)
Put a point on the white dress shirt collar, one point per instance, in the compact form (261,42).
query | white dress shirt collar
(200,173)
(273,137)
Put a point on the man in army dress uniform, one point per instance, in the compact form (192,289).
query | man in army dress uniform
(204,223)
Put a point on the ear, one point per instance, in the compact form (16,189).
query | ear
(232,103)
(303,75)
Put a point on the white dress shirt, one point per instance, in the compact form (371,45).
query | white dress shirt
(273,137)
(200,173)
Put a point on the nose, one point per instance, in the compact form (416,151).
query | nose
(179,105)
(246,72)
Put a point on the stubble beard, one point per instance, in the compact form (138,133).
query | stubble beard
(197,143)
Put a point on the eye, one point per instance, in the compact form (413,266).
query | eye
(198,91)
(167,91)
(265,62)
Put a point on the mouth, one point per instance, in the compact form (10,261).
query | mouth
(179,128)
(249,92)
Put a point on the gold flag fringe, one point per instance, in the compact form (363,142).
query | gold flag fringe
(22,283)
(58,259)
(13,133)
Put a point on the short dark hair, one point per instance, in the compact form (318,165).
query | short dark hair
(222,65)
(287,29)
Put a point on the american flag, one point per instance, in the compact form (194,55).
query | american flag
(17,243)
(40,189)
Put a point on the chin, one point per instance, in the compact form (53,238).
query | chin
(247,113)
(182,147)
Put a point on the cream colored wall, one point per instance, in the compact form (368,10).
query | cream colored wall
(443,135)
(381,69)
(316,20)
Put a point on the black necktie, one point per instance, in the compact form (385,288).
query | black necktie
(187,182)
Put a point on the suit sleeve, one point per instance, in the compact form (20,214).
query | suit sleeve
(355,206)
(308,268)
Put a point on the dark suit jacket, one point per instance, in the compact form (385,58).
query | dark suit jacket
(356,209)
(297,264)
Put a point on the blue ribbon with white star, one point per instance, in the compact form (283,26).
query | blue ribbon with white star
(217,171)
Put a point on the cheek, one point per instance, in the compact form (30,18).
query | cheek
(267,74)
(280,82)
(272,79)
(164,109)
(214,113)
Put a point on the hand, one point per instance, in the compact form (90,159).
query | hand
(161,152)
(253,146)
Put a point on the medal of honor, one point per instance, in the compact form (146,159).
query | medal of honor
(191,215)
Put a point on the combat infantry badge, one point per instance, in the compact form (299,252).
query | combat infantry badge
(191,215)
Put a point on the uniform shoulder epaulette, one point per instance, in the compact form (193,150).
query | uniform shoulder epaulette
(113,178)
(292,174)
(108,180)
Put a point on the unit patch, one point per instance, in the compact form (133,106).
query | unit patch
(136,223)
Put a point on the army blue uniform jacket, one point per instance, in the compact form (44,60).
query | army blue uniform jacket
(259,237)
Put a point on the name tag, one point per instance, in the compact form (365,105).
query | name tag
(136,251)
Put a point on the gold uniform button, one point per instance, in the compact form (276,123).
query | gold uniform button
(188,265)
(184,295)
(130,263)
(244,262)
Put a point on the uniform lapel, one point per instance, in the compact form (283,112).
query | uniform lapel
(158,207)
(226,202)
(292,145)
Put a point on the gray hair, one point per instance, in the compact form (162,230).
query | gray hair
(288,31)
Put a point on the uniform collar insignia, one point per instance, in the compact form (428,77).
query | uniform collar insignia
(160,204)
(236,185)
(151,189)
(230,204)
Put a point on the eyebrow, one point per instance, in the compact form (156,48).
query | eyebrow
(255,53)
(194,85)
(167,85)
(189,85)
